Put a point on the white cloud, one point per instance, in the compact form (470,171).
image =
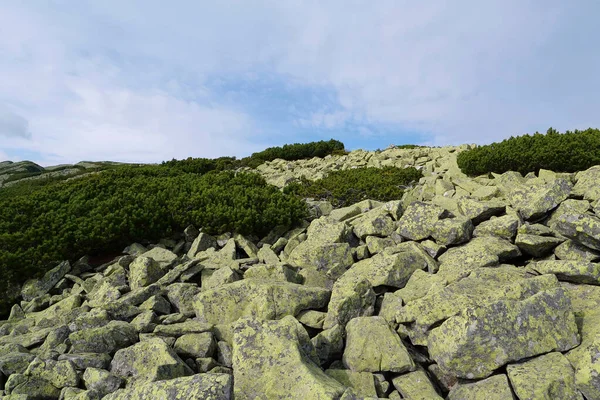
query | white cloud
(13,125)
(132,80)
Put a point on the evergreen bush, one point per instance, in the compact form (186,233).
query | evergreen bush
(566,152)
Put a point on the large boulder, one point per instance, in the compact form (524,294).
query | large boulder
(38,287)
(107,339)
(330,258)
(419,219)
(373,346)
(200,386)
(275,360)
(148,361)
(535,201)
(144,271)
(261,300)
(539,324)
(493,388)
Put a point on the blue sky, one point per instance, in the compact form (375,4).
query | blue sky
(146,81)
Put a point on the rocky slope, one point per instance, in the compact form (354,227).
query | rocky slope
(484,288)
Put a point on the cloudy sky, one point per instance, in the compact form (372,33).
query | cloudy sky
(152,80)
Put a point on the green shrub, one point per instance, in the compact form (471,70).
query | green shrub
(408,146)
(567,152)
(107,211)
(292,152)
(350,186)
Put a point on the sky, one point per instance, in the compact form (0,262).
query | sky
(147,81)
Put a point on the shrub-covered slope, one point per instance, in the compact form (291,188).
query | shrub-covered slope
(567,152)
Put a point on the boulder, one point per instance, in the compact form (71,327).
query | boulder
(452,231)
(505,227)
(106,339)
(570,271)
(493,388)
(60,373)
(37,287)
(418,220)
(549,376)
(581,228)
(333,259)
(349,299)
(101,381)
(416,385)
(148,361)
(30,386)
(275,360)
(257,299)
(372,346)
(461,343)
(535,201)
(195,345)
(144,271)
(200,386)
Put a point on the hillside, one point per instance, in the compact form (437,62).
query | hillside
(447,286)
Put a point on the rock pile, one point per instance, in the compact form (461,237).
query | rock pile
(484,288)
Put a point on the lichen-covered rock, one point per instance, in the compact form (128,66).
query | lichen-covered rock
(60,373)
(588,183)
(330,258)
(101,381)
(418,220)
(144,271)
(195,345)
(363,383)
(261,300)
(569,250)
(273,272)
(452,231)
(493,388)
(312,318)
(38,287)
(148,361)
(83,361)
(275,360)
(329,344)
(581,228)
(376,222)
(267,255)
(15,362)
(372,346)
(539,324)
(416,386)
(163,256)
(181,296)
(349,299)
(145,322)
(32,387)
(485,251)
(570,271)
(202,242)
(421,284)
(182,328)
(479,211)
(200,386)
(219,277)
(106,339)
(549,376)
(505,227)
(534,201)
(535,245)
(158,304)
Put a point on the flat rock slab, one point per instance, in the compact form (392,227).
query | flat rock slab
(549,376)
(478,341)
(200,386)
(275,360)
(261,300)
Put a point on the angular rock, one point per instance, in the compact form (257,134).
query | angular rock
(581,228)
(83,361)
(273,272)
(329,344)
(261,300)
(535,245)
(569,250)
(418,220)
(570,271)
(32,387)
(275,360)
(534,201)
(163,256)
(372,346)
(588,183)
(311,318)
(148,361)
(15,362)
(101,381)
(182,328)
(452,231)
(349,299)
(505,227)
(267,255)
(421,284)
(201,243)
(416,386)
(60,373)
(549,376)
(144,271)
(181,296)
(195,345)
(362,383)
(376,222)
(158,304)
(107,339)
(333,259)
(492,388)
(377,245)
(479,211)
(539,324)
(37,287)
(200,386)
(145,322)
